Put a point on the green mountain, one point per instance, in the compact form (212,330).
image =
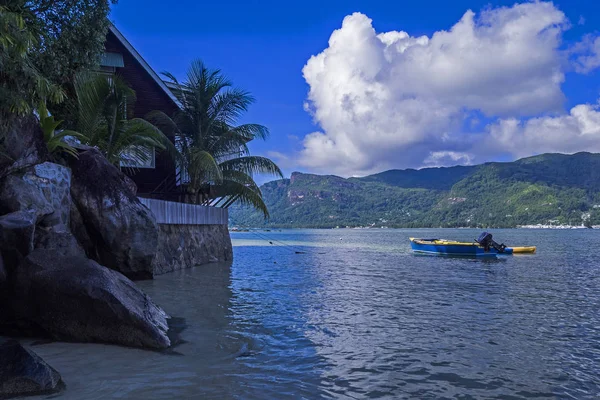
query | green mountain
(545,189)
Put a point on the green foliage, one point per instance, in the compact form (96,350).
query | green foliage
(547,189)
(55,141)
(43,43)
(103,108)
(22,86)
(71,36)
(213,147)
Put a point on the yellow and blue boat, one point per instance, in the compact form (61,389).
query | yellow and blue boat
(482,247)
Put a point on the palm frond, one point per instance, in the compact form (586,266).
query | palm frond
(252,165)
(230,105)
(241,178)
(252,131)
(92,91)
(163,122)
(54,141)
(65,147)
(227,144)
(244,195)
(202,167)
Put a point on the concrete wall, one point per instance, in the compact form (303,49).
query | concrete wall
(185,246)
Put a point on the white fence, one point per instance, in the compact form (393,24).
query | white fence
(169,212)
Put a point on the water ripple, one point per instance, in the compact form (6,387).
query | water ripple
(363,318)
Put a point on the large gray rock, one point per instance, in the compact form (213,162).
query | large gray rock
(43,188)
(3,274)
(17,232)
(24,373)
(5,312)
(80,232)
(59,238)
(73,298)
(121,229)
(24,144)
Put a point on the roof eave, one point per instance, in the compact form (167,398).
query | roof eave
(113,29)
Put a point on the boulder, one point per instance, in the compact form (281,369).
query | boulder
(16,237)
(43,188)
(80,232)
(24,144)
(121,229)
(3,275)
(4,293)
(57,238)
(5,312)
(73,298)
(24,373)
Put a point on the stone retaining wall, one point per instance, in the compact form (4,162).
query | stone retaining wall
(186,246)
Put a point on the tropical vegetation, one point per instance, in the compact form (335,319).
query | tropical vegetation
(47,52)
(213,146)
(55,140)
(70,36)
(104,120)
(22,86)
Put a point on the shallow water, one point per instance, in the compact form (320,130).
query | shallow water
(353,314)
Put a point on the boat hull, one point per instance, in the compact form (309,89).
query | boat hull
(462,249)
(451,249)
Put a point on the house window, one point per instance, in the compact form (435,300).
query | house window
(138,157)
(111,60)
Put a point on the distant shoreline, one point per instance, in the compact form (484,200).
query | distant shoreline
(538,226)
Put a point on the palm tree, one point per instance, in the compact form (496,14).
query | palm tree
(212,146)
(104,105)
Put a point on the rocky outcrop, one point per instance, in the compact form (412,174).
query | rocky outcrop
(121,231)
(78,229)
(3,274)
(24,373)
(58,238)
(50,220)
(43,188)
(186,246)
(24,144)
(73,298)
(16,237)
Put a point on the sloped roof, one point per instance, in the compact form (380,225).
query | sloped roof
(113,29)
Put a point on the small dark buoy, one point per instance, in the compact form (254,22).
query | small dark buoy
(270,242)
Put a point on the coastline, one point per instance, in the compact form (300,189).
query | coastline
(537,226)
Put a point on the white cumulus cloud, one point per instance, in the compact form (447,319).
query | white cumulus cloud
(577,131)
(392,100)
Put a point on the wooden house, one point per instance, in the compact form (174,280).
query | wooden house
(157,177)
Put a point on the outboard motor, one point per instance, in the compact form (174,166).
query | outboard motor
(485,239)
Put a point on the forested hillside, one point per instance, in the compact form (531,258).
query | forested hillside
(546,189)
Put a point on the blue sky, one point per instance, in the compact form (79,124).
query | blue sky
(264,46)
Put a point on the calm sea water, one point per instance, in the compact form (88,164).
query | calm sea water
(355,315)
